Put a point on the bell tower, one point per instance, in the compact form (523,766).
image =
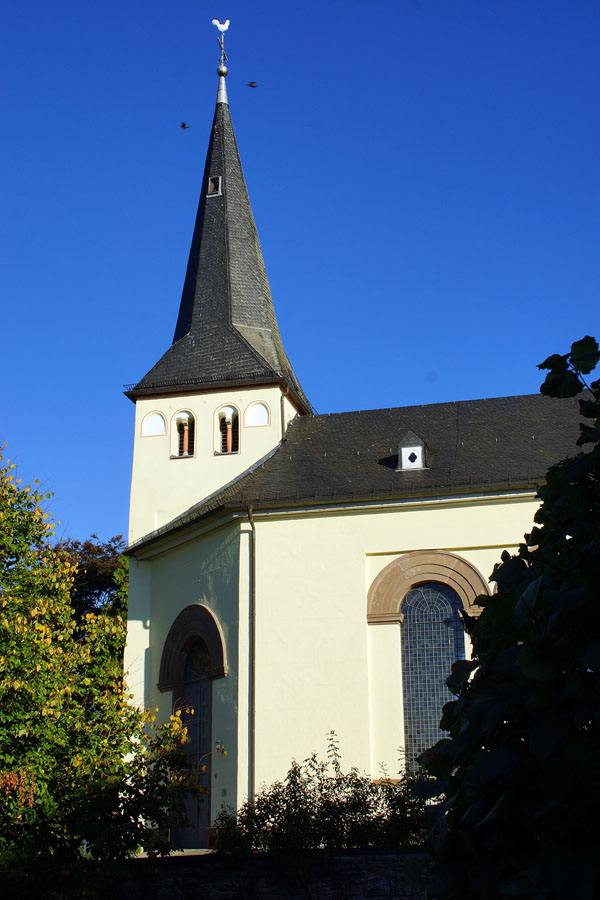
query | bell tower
(220,398)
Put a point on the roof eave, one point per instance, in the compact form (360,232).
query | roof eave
(528,484)
(134,393)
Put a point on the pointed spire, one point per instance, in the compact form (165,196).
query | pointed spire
(226,332)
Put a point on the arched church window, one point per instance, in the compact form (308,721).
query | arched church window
(228,430)
(184,435)
(432,639)
(153,424)
(256,414)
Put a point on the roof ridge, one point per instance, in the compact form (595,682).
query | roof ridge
(414,406)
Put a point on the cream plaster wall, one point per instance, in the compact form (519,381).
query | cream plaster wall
(137,648)
(204,571)
(163,487)
(319,665)
(311,651)
(386,714)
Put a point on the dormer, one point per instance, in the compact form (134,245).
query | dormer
(411,452)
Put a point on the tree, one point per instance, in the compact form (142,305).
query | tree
(100,581)
(94,589)
(79,764)
(520,770)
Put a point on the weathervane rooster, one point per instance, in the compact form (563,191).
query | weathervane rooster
(222,28)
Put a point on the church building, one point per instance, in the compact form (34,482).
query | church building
(295,573)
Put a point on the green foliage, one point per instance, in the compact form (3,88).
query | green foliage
(521,768)
(99,587)
(317,805)
(78,762)
(97,562)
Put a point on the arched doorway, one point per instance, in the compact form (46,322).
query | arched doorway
(193,656)
(195,704)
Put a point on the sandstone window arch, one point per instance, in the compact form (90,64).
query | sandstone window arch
(393,583)
(193,623)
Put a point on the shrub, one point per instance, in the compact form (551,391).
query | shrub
(317,806)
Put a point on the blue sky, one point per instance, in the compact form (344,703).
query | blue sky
(423,175)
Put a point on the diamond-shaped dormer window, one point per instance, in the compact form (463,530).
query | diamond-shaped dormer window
(411,452)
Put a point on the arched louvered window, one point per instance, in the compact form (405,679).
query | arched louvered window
(186,434)
(433,639)
(229,430)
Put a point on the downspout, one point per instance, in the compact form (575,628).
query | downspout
(252,657)
(281,399)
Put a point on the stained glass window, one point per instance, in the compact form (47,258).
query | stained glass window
(432,639)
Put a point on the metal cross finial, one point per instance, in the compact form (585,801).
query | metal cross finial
(222,28)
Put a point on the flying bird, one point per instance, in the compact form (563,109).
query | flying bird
(252,84)
(222,27)
(184,125)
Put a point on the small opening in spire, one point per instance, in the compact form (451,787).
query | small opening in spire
(214,186)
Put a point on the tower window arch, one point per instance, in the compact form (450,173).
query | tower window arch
(257,414)
(228,430)
(153,424)
(184,435)
(432,639)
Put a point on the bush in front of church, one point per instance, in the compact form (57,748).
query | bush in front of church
(521,768)
(318,806)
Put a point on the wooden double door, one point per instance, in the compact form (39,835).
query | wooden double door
(194,700)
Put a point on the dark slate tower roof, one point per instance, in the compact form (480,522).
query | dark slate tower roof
(226,332)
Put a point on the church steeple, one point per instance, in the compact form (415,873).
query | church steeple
(226,332)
